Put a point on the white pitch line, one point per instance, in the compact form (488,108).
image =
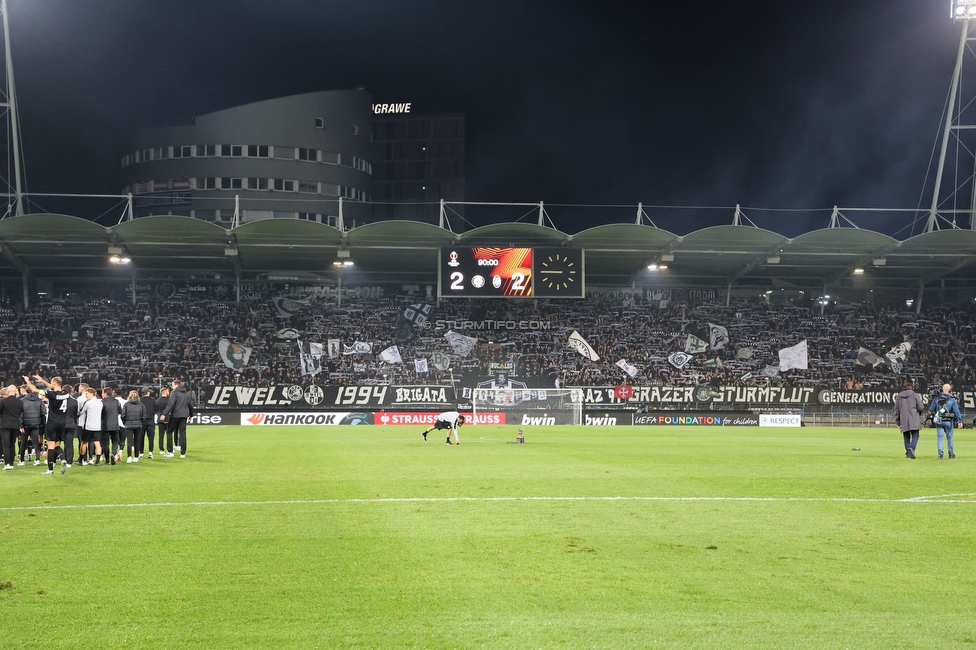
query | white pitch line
(923,499)
(938,498)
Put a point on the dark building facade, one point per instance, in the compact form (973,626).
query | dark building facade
(420,161)
(324,156)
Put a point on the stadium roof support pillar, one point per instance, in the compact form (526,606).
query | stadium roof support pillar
(13,117)
(18,264)
(918,299)
(950,107)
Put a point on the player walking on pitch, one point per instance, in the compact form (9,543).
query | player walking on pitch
(447,420)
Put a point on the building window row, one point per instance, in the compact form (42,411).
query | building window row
(242,151)
(252,183)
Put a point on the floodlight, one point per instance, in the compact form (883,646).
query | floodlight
(652,267)
(858,271)
(963,9)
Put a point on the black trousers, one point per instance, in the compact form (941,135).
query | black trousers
(148,435)
(133,440)
(176,428)
(113,437)
(7,442)
(69,445)
(163,428)
(32,434)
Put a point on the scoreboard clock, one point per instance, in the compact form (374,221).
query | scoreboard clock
(503,272)
(558,272)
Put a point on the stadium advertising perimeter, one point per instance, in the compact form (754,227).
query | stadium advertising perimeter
(368,397)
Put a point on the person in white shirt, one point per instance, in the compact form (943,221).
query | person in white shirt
(447,420)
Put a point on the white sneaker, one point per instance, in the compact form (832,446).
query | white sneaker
(182,455)
(129,459)
(136,459)
(176,447)
(8,466)
(150,454)
(167,455)
(50,471)
(20,463)
(36,463)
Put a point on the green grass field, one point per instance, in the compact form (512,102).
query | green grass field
(625,537)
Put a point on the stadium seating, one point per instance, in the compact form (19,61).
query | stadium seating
(97,338)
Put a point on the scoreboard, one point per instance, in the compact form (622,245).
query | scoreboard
(510,272)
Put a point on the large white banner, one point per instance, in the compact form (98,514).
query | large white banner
(793,357)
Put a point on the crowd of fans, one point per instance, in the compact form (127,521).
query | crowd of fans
(111,340)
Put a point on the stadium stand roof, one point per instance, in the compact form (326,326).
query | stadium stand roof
(53,245)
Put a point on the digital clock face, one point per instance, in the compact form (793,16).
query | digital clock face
(501,272)
(559,272)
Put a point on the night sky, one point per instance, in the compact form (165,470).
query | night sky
(768,104)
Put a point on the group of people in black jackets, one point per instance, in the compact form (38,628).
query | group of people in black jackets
(105,425)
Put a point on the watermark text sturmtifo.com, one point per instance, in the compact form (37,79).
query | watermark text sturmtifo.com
(455,325)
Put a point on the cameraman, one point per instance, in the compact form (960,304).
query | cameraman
(945,414)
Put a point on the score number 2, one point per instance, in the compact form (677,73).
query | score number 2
(456,279)
(518,282)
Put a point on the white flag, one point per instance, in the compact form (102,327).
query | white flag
(794,357)
(359,347)
(461,344)
(899,352)
(310,357)
(770,371)
(440,360)
(335,348)
(233,355)
(420,365)
(744,353)
(626,367)
(718,335)
(694,345)
(578,343)
(391,355)
(679,359)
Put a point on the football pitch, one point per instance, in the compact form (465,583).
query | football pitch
(617,537)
